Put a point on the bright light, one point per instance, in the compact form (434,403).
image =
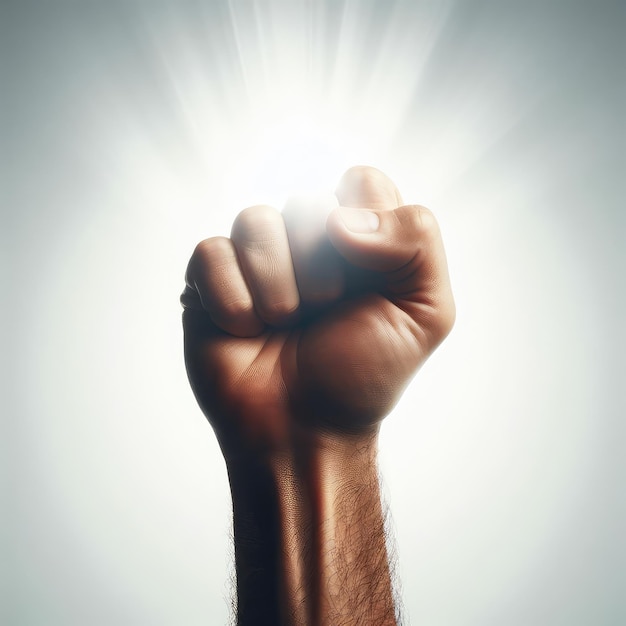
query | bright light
(294,155)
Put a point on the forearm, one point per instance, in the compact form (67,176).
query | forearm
(310,541)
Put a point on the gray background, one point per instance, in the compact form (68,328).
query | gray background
(131,130)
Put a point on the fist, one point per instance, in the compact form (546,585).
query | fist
(295,327)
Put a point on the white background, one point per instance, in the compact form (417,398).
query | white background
(132,130)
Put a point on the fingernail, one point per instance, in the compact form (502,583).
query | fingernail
(359,220)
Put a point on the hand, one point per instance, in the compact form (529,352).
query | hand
(274,352)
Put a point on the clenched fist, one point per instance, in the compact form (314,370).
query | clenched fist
(292,325)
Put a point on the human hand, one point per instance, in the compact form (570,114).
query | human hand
(277,355)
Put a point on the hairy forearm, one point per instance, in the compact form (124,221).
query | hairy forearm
(310,543)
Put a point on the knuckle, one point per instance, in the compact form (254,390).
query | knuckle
(256,222)
(237,307)
(419,219)
(278,312)
(204,256)
(212,251)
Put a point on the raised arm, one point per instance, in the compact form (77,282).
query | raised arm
(298,341)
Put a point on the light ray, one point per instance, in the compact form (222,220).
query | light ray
(144,127)
(339,109)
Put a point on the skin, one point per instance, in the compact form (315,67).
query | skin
(300,337)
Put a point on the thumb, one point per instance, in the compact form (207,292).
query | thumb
(386,240)
(405,246)
(359,227)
